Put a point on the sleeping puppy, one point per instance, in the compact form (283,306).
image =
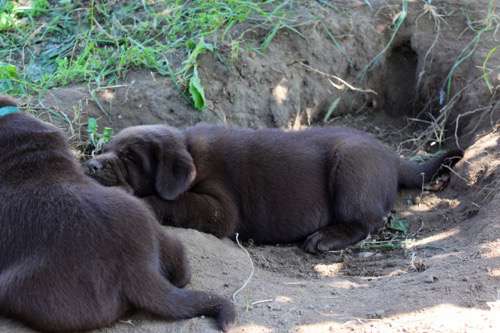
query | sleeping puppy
(327,187)
(75,255)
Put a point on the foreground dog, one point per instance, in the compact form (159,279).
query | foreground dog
(330,187)
(75,255)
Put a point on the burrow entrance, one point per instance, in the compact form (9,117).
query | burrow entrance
(400,75)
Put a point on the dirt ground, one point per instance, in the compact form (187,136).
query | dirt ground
(447,279)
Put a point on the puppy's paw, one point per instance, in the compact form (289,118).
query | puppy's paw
(324,240)
(226,316)
(313,243)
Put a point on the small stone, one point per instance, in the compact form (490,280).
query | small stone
(366,254)
(430,279)
(376,314)
(274,307)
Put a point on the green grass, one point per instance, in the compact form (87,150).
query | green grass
(484,68)
(97,43)
(479,28)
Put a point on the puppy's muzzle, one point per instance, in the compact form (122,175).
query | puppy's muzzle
(92,166)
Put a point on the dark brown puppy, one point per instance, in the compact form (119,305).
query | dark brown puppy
(328,186)
(75,255)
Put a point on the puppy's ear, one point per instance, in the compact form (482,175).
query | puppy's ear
(175,173)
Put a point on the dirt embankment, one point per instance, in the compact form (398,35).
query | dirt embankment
(448,277)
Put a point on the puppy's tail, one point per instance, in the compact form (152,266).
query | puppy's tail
(413,175)
(163,299)
(7,101)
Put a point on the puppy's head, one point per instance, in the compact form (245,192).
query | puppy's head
(147,160)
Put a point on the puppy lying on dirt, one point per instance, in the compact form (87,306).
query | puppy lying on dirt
(328,187)
(75,255)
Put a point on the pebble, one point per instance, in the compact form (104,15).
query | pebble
(430,279)
(377,314)
(274,307)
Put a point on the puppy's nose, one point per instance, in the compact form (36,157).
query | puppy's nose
(93,166)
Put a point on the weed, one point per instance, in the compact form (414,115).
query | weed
(398,21)
(435,132)
(331,109)
(489,23)
(189,73)
(393,237)
(97,140)
(437,18)
(486,75)
(196,90)
(99,42)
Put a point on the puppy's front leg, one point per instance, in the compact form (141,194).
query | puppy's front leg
(204,212)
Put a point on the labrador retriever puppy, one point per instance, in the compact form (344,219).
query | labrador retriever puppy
(75,255)
(327,187)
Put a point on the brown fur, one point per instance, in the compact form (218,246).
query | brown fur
(75,255)
(328,187)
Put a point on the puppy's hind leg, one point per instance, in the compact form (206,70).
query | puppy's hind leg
(335,237)
(174,262)
(151,292)
(363,186)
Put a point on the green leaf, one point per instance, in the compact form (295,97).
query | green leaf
(92,125)
(107,133)
(92,130)
(39,7)
(486,76)
(199,49)
(7,21)
(196,91)
(190,44)
(399,224)
(6,6)
(331,109)
(270,36)
(7,71)
(381,245)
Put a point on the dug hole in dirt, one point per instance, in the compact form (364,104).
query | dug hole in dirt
(447,276)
